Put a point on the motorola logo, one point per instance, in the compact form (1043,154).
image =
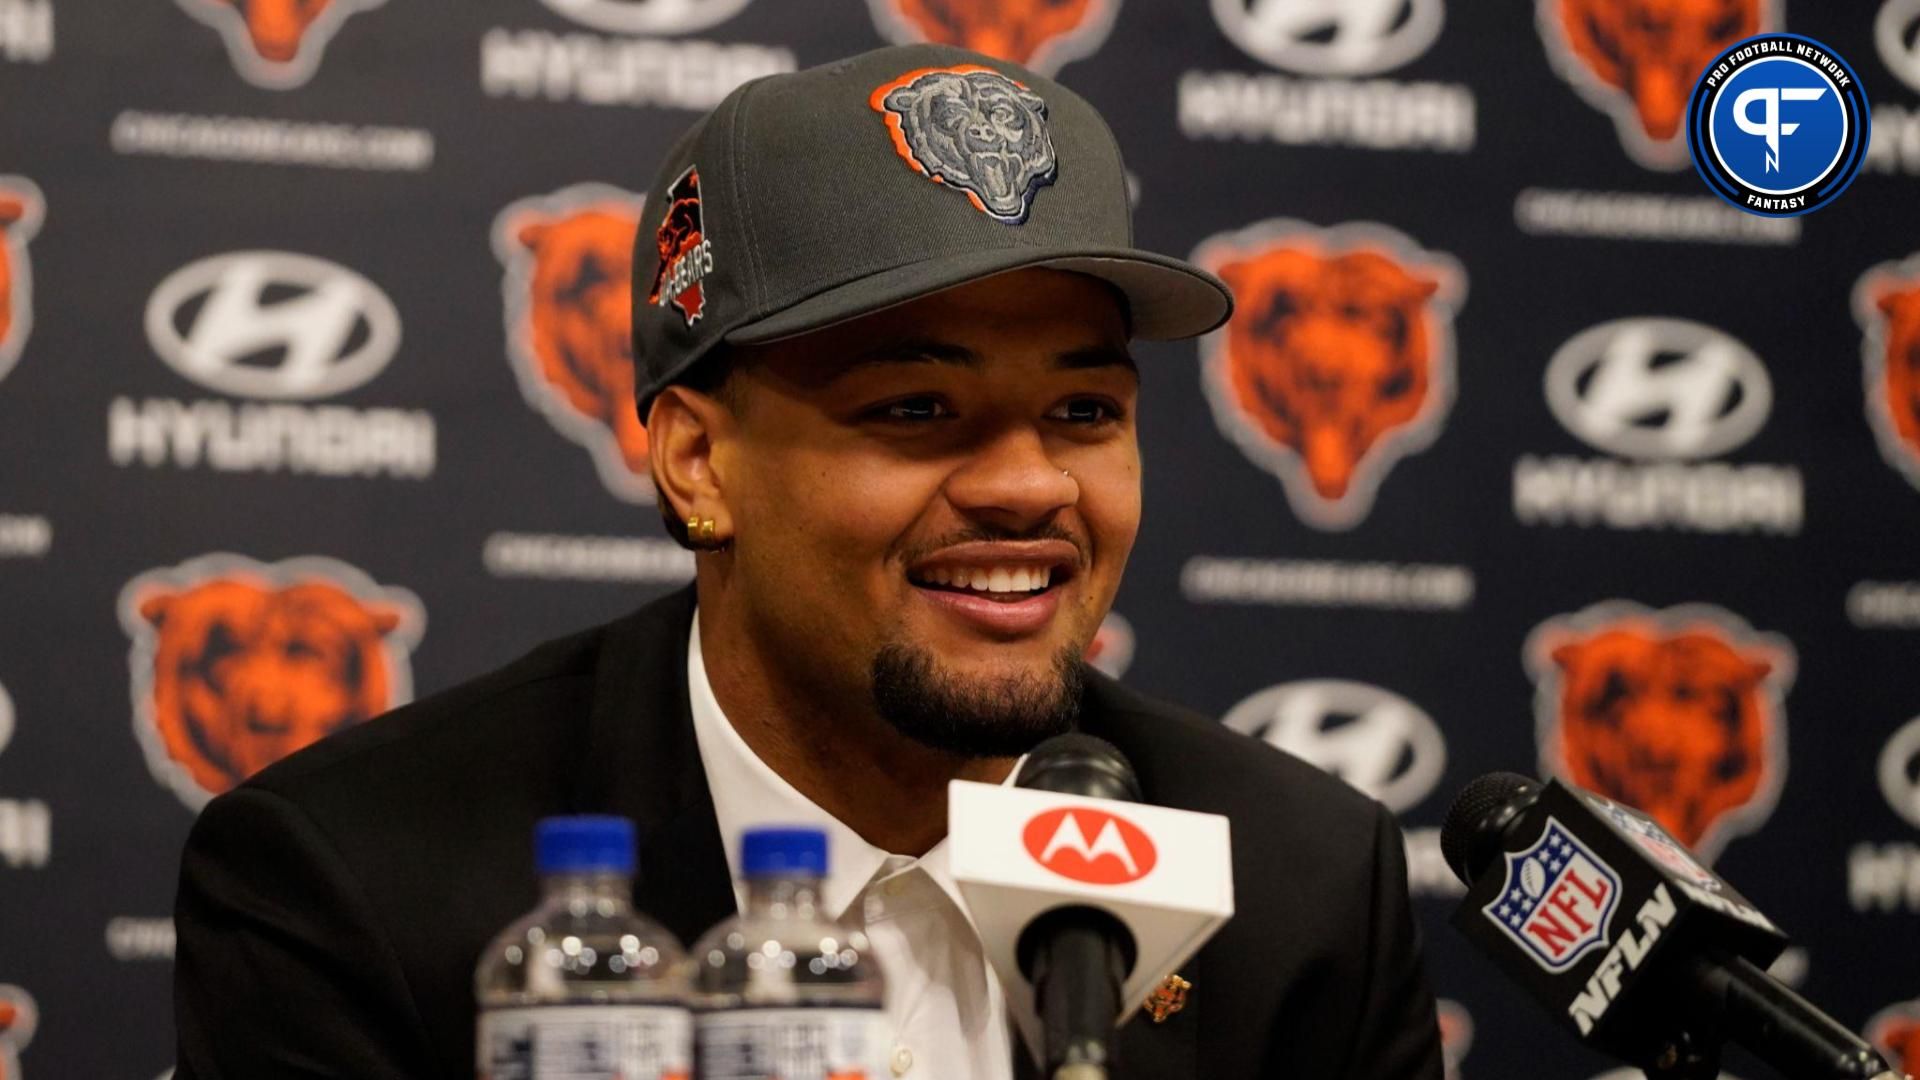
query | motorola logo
(1657,389)
(1331,37)
(272,324)
(1374,739)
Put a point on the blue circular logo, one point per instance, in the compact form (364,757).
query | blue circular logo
(1778,125)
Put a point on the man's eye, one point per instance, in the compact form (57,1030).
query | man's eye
(1086,411)
(912,409)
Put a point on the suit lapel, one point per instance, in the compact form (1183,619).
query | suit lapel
(644,763)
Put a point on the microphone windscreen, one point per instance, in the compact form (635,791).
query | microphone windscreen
(1080,764)
(1475,813)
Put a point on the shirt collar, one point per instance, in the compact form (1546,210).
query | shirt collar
(748,793)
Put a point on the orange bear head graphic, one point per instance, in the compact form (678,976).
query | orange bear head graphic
(1039,34)
(1887,304)
(1677,715)
(18,1018)
(20,207)
(238,665)
(276,43)
(1338,359)
(1639,60)
(569,262)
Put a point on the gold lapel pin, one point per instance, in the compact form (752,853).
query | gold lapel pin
(1168,998)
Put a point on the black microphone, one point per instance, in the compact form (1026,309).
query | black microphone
(1077,957)
(1618,930)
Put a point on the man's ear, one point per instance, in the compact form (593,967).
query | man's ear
(683,427)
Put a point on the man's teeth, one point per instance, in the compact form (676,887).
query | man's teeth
(998,579)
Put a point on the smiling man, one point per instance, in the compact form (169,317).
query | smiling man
(881,324)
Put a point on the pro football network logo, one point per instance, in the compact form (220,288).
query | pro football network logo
(1331,37)
(1900,772)
(1558,899)
(237,663)
(974,130)
(569,276)
(1895,1032)
(1636,60)
(1886,302)
(276,44)
(1778,125)
(1677,713)
(20,209)
(18,1018)
(684,254)
(1339,358)
(272,324)
(1119,852)
(1038,34)
(646,17)
(1374,739)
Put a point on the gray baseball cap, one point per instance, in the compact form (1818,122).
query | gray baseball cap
(809,198)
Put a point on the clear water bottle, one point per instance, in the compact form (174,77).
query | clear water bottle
(781,992)
(583,987)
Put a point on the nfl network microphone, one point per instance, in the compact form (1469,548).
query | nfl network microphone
(1618,929)
(1085,898)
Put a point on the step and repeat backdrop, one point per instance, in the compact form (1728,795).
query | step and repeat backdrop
(315,396)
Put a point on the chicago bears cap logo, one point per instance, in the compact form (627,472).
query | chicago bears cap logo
(1558,899)
(1038,34)
(1886,302)
(569,272)
(20,210)
(686,255)
(1088,845)
(974,130)
(1338,360)
(276,44)
(1676,713)
(1637,60)
(237,663)
(1895,1032)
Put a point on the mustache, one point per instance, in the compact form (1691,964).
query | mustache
(1052,530)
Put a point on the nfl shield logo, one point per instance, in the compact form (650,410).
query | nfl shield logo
(1558,899)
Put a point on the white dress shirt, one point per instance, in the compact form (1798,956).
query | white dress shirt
(943,1001)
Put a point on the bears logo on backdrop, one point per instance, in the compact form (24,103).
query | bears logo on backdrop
(1339,358)
(569,271)
(685,255)
(974,130)
(276,44)
(1886,301)
(1456,1034)
(1039,34)
(1638,60)
(18,1018)
(1111,650)
(237,663)
(1677,713)
(20,210)
(1895,1032)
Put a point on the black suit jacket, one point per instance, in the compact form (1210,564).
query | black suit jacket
(332,909)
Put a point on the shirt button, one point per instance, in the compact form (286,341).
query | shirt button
(902,1060)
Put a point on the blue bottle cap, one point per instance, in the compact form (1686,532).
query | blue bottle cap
(584,844)
(783,852)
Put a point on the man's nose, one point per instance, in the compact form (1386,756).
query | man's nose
(1011,481)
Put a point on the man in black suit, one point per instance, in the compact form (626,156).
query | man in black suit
(881,329)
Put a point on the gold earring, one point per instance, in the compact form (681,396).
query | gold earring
(700,530)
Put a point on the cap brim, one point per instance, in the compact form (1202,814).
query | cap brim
(1167,298)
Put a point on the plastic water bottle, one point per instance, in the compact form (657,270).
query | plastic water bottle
(583,987)
(781,992)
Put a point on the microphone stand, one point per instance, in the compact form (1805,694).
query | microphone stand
(1747,1006)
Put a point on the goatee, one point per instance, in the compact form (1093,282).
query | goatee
(975,718)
